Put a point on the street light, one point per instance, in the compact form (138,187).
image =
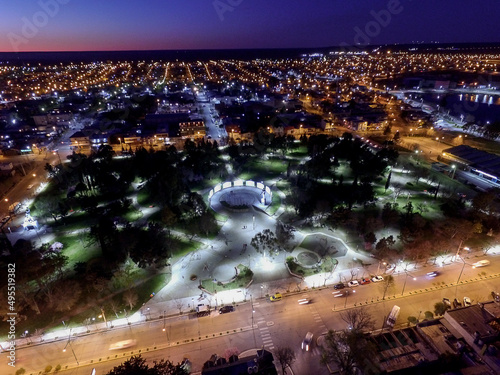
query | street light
(346,295)
(71,347)
(163,320)
(454,169)
(404,285)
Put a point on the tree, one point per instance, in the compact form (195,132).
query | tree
(264,241)
(152,249)
(130,297)
(370,238)
(137,366)
(384,247)
(285,356)
(284,233)
(440,308)
(388,283)
(351,351)
(358,319)
(388,181)
(66,295)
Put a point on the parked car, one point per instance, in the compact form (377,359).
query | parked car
(365,281)
(467,301)
(481,263)
(339,286)
(377,279)
(304,301)
(456,303)
(306,343)
(447,302)
(226,309)
(353,283)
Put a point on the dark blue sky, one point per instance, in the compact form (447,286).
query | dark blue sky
(72,25)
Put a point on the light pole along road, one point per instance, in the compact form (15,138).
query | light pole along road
(275,324)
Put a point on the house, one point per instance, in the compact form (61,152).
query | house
(7,169)
(192,129)
(80,141)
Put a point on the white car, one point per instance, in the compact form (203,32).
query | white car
(467,301)
(377,279)
(481,263)
(352,283)
(122,344)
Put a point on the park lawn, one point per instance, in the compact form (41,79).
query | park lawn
(303,271)
(241,281)
(258,169)
(275,204)
(380,191)
(143,198)
(132,214)
(205,183)
(185,247)
(479,241)
(432,207)
(75,249)
(298,152)
(151,285)
(219,217)
(80,220)
(143,289)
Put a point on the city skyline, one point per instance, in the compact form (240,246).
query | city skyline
(63,25)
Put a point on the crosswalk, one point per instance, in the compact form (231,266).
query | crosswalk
(267,340)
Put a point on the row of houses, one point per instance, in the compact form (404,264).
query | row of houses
(472,333)
(155,130)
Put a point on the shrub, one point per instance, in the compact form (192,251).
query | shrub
(412,320)
(21,371)
(48,369)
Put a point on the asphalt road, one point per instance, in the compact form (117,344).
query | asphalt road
(282,323)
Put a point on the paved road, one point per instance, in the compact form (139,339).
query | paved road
(274,324)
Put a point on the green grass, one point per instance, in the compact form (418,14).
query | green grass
(74,248)
(132,215)
(240,282)
(220,217)
(143,198)
(258,169)
(275,204)
(185,247)
(298,152)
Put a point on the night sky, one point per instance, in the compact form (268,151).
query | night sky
(91,25)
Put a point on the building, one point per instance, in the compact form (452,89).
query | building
(480,163)
(80,142)
(261,363)
(192,129)
(55,118)
(7,169)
